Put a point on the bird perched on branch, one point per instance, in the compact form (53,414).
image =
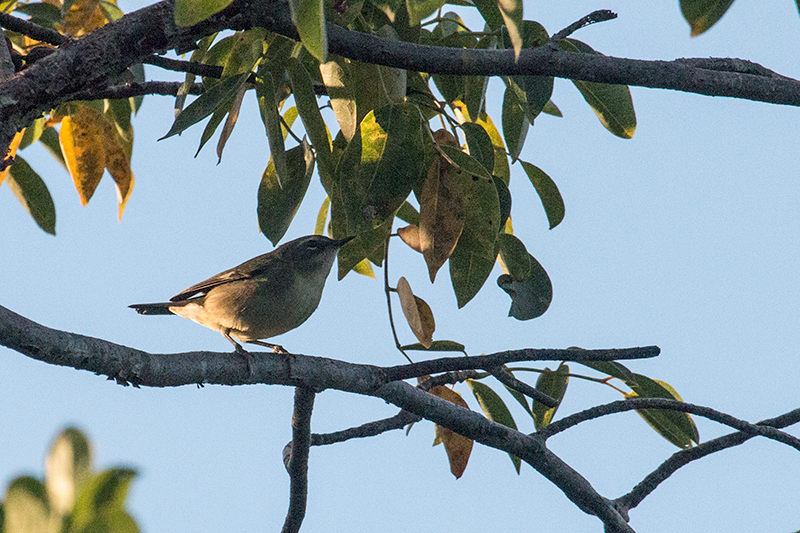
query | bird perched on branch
(261,298)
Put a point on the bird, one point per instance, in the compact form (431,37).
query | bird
(261,298)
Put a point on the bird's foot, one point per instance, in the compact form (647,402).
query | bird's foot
(277,348)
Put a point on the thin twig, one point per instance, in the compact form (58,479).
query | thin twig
(684,457)
(289,130)
(34,31)
(200,69)
(388,291)
(507,379)
(298,463)
(162,88)
(601,15)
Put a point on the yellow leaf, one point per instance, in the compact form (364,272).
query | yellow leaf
(81,17)
(12,151)
(364,267)
(81,139)
(418,314)
(457,446)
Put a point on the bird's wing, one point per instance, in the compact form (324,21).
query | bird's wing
(247,270)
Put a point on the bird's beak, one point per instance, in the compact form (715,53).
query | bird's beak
(342,242)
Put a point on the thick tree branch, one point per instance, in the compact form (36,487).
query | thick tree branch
(90,62)
(298,464)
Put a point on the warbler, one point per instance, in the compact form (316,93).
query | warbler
(261,298)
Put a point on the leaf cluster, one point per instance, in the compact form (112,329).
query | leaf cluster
(73,498)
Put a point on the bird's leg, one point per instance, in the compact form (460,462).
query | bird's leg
(248,357)
(275,347)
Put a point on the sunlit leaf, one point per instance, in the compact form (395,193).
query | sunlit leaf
(548,193)
(81,139)
(554,384)
(278,202)
(12,150)
(495,409)
(674,426)
(340,86)
(67,467)
(702,14)
(78,18)
(501,168)
(410,236)
(26,508)
(512,16)
(364,267)
(417,312)
(458,447)
(611,103)
(190,12)
(103,492)
(309,18)
(322,216)
(419,10)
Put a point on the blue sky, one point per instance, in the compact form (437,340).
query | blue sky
(685,236)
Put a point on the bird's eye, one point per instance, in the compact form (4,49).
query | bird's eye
(312,245)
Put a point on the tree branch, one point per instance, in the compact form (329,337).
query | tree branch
(162,88)
(505,377)
(209,71)
(34,31)
(91,61)
(298,464)
(672,405)
(684,457)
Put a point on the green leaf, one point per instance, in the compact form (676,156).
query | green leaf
(552,109)
(278,201)
(475,86)
(548,193)
(27,509)
(419,10)
(111,521)
(49,139)
(41,13)
(32,133)
(394,81)
(206,104)
(504,196)
(437,346)
(197,57)
(554,384)
(612,368)
(213,124)
(702,14)
(515,123)
(464,161)
(370,244)
(245,52)
(309,17)
(531,296)
(532,92)
(268,105)
(494,408)
(490,12)
(32,193)
(479,144)
(391,157)
(190,12)
(475,253)
(611,103)
(306,103)
(675,426)
(103,492)
(515,256)
(407,213)
(67,468)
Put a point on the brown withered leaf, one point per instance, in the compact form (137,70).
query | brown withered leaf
(457,446)
(441,214)
(410,235)
(118,162)
(418,313)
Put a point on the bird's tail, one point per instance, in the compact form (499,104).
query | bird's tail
(161,308)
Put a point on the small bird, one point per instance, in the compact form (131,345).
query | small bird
(261,298)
